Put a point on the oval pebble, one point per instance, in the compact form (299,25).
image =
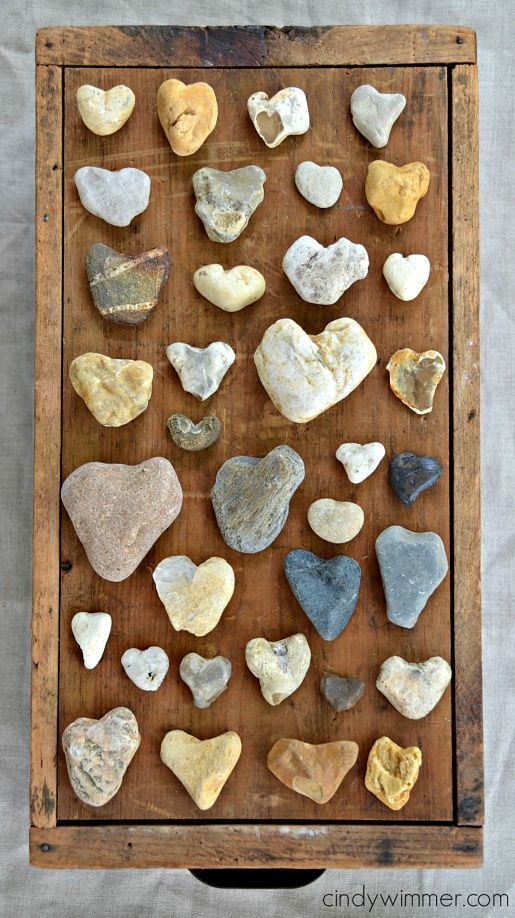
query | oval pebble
(335,520)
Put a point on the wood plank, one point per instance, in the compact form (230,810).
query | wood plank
(255,46)
(467,541)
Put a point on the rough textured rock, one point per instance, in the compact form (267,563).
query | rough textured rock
(320,185)
(91,630)
(226,200)
(284,115)
(194,437)
(207,679)
(413,565)
(305,375)
(335,521)
(280,666)
(126,288)
(360,460)
(374,113)
(406,276)
(327,590)
(411,475)
(315,771)
(251,497)
(146,668)
(392,772)
(105,112)
(201,369)
(414,689)
(414,377)
(232,289)
(322,274)
(116,197)
(202,766)
(118,511)
(342,692)
(194,596)
(98,753)
(394,191)
(188,114)
(115,391)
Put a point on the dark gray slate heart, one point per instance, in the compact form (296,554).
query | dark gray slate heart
(327,590)
(342,692)
(410,475)
(413,565)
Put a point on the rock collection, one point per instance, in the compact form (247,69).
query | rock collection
(116,197)
(98,753)
(207,679)
(321,275)
(194,596)
(280,666)
(320,185)
(232,289)
(414,689)
(202,766)
(105,112)
(194,437)
(188,114)
(91,630)
(411,475)
(393,192)
(284,115)
(126,288)
(327,590)
(115,391)
(146,668)
(392,772)
(414,377)
(413,565)
(227,200)
(314,771)
(201,369)
(374,113)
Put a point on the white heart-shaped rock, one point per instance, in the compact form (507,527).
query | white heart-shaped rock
(374,113)
(105,112)
(194,596)
(232,289)
(321,274)
(91,631)
(414,689)
(320,185)
(201,369)
(406,276)
(280,666)
(359,461)
(283,115)
(146,668)
(116,197)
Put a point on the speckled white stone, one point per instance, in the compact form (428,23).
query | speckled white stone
(283,115)
(320,185)
(406,276)
(146,668)
(116,197)
(359,461)
(91,630)
(374,113)
(201,369)
(322,274)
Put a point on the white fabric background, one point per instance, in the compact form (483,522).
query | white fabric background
(25,891)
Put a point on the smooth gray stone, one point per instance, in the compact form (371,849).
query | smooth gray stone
(374,113)
(207,679)
(413,565)
(342,692)
(327,590)
(226,200)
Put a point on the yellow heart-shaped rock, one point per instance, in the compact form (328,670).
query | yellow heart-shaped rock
(392,771)
(187,114)
(115,391)
(394,191)
(202,766)
(105,112)
(414,377)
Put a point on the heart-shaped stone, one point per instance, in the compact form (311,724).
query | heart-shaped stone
(280,666)
(413,565)
(406,277)
(194,596)
(305,375)
(91,630)
(230,290)
(207,679)
(335,521)
(327,590)
(393,192)
(115,391)
(315,771)
(410,475)
(342,692)
(226,200)
(119,511)
(414,689)
(188,114)
(201,369)
(251,497)
(392,772)
(146,668)
(414,377)
(126,288)
(194,437)
(360,460)
(374,113)
(320,185)
(98,753)
(116,197)
(283,115)
(202,766)
(105,112)
(322,274)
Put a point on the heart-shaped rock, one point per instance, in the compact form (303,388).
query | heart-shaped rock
(392,772)
(305,375)
(360,460)
(320,185)
(374,113)
(230,290)
(116,197)
(202,766)
(322,274)
(413,565)
(119,511)
(115,391)
(188,114)
(283,115)
(194,596)
(327,590)
(201,369)
(207,679)
(315,771)
(226,200)
(126,288)
(335,521)
(146,668)
(105,112)
(410,475)
(194,437)
(342,692)
(91,630)
(414,377)
(394,191)
(280,666)
(98,753)
(406,277)
(251,497)
(414,689)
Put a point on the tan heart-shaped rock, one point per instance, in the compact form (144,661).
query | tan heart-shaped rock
(194,597)
(98,753)
(392,771)
(414,377)
(188,114)
(202,766)
(315,771)
(280,666)
(414,689)
(394,191)
(105,112)
(115,391)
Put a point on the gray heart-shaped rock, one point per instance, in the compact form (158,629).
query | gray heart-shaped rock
(201,369)
(227,200)
(413,565)
(194,437)
(207,679)
(374,113)
(411,475)
(342,692)
(98,753)
(320,185)
(126,288)
(414,689)
(327,590)
(322,274)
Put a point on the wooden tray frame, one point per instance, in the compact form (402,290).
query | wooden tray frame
(197,845)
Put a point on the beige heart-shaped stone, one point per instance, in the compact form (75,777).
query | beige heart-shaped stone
(105,112)
(98,753)
(392,771)
(414,377)
(232,289)
(194,597)
(202,766)
(280,666)
(115,391)
(315,771)
(188,114)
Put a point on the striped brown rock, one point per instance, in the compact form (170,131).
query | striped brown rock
(126,288)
